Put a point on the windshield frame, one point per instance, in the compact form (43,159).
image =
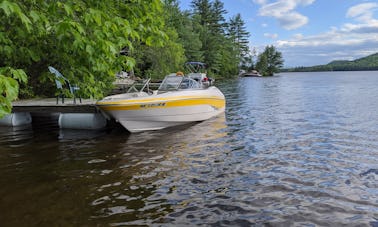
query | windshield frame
(171,83)
(174,83)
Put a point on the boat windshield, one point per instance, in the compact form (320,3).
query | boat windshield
(173,82)
(195,67)
(189,83)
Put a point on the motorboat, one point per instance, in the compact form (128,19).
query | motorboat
(253,73)
(180,99)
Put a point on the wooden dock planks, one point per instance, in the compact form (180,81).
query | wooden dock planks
(49,105)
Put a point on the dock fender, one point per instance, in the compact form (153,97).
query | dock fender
(82,121)
(16,119)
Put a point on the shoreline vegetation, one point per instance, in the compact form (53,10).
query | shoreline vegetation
(368,63)
(89,42)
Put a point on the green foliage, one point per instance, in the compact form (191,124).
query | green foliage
(270,61)
(239,35)
(190,39)
(262,64)
(9,86)
(229,60)
(82,39)
(209,16)
(158,61)
(185,26)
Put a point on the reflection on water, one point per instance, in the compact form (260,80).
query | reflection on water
(297,149)
(77,134)
(15,135)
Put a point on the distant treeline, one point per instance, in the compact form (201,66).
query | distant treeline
(362,64)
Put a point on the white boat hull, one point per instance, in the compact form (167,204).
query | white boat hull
(164,110)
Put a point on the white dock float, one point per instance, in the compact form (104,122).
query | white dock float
(77,115)
(16,119)
(90,121)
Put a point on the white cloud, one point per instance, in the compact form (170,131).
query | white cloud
(272,36)
(284,12)
(347,42)
(298,36)
(363,12)
(293,20)
(361,28)
(260,2)
(328,46)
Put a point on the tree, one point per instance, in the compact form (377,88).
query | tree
(262,64)
(80,38)
(188,36)
(270,61)
(202,8)
(158,61)
(202,17)
(190,39)
(218,22)
(210,18)
(239,36)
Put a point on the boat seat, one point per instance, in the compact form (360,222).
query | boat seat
(60,80)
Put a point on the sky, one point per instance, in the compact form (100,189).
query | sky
(309,32)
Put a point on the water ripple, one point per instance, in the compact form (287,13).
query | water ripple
(292,150)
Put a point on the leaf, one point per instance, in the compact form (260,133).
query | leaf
(8,51)
(9,86)
(19,75)
(5,106)
(7,7)
(89,49)
(34,16)
(149,41)
(113,49)
(62,28)
(96,16)
(130,62)
(78,27)
(25,20)
(68,9)
(35,57)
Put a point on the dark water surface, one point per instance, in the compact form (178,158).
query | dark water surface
(292,150)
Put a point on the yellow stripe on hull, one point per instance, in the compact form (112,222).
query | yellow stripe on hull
(163,98)
(161,103)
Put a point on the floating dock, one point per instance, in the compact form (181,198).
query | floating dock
(73,115)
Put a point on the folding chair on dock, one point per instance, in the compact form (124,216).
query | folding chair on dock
(60,80)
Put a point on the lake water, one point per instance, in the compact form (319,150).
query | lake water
(297,149)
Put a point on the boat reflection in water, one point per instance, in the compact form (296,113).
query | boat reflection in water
(181,134)
(145,165)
